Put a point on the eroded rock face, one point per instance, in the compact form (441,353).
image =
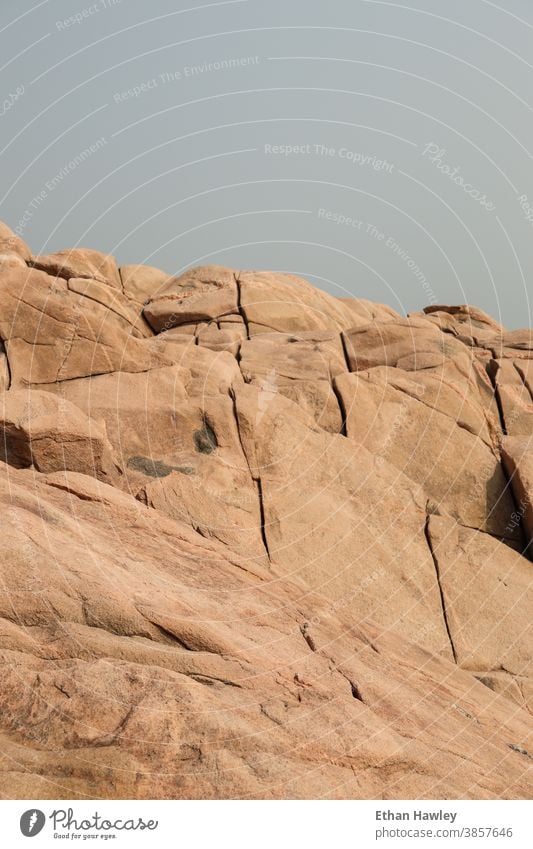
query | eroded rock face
(55,329)
(258,542)
(80,263)
(50,434)
(13,250)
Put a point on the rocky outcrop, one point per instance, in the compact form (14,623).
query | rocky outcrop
(258,542)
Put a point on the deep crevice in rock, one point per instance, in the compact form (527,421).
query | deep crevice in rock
(335,389)
(259,487)
(355,691)
(307,636)
(240,307)
(492,371)
(255,479)
(441,592)
(345,352)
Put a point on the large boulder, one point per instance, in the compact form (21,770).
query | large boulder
(81,263)
(14,252)
(202,294)
(487,596)
(331,518)
(142,282)
(437,434)
(55,330)
(408,343)
(51,434)
(265,301)
(288,304)
(299,366)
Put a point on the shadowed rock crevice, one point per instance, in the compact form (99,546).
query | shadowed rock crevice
(492,370)
(342,407)
(434,557)
(241,310)
(306,634)
(259,486)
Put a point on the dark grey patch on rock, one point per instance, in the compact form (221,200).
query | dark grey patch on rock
(205,439)
(486,681)
(156,468)
(152,468)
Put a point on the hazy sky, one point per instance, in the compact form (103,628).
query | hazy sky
(379,149)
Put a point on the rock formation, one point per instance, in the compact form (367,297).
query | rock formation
(258,541)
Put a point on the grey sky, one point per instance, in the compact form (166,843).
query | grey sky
(159,132)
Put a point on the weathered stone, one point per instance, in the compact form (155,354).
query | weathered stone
(365,311)
(216,339)
(201,294)
(517,455)
(329,519)
(288,304)
(53,333)
(436,435)
(142,282)
(12,246)
(255,555)
(487,596)
(513,381)
(152,665)
(472,317)
(80,262)
(300,367)
(102,294)
(409,343)
(51,434)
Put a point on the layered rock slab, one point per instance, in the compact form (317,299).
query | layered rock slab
(332,518)
(52,435)
(137,683)
(487,592)
(301,367)
(266,302)
(55,330)
(437,434)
